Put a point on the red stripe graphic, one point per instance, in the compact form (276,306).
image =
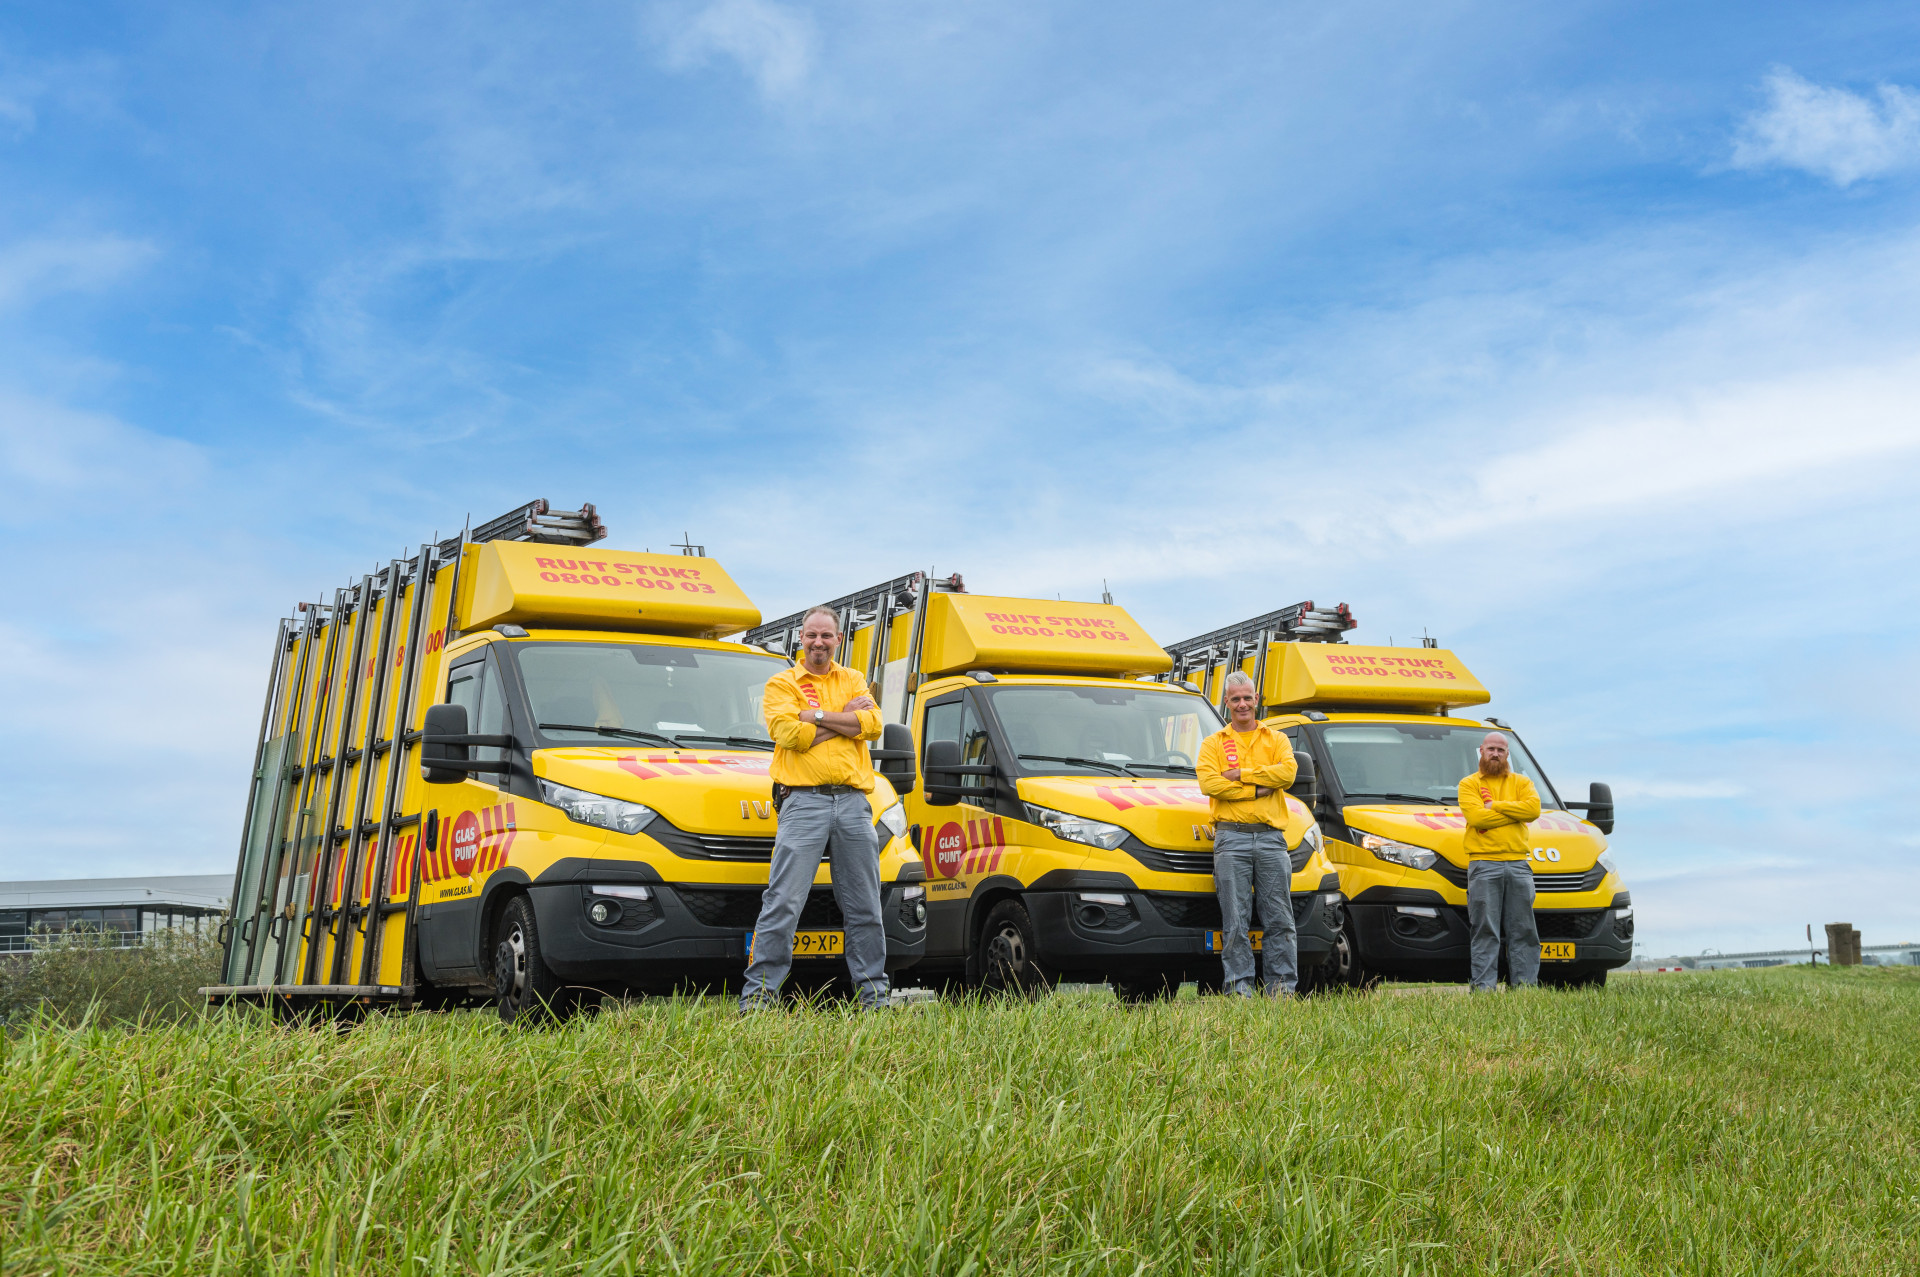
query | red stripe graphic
(483,861)
(506,842)
(999,844)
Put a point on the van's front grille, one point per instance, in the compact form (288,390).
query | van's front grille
(1195,862)
(1567,924)
(709,846)
(1569,882)
(1204,911)
(740,908)
(1585,881)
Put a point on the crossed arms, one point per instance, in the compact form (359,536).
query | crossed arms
(1233,783)
(790,718)
(1484,812)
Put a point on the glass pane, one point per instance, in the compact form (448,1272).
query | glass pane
(1414,762)
(667,691)
(1108,729)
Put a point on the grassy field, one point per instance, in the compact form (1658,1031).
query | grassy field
(1738,1123)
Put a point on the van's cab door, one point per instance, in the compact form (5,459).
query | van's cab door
(476,828)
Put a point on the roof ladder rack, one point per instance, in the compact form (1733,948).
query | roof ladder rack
(1229,647)
(877,605)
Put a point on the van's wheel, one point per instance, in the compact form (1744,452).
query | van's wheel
(1009,958)
(527,990)
(1151,986)
(1344,968)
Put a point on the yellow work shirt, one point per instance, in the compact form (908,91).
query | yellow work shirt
(798,758)
(1497,823)
(1265,759)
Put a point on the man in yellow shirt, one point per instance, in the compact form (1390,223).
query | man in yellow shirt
(820,716)
(1242,769)
(1499,803)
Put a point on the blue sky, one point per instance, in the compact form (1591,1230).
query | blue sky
(1585,337)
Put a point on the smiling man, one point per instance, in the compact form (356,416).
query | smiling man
(1499,803)
(1242,769)
(820,716)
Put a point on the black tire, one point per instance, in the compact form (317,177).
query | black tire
(1140,988)
(526,989)
(1009,958)
(1344,967)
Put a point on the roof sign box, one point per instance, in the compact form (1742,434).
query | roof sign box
(1305,674)
(590,588)
(978,631)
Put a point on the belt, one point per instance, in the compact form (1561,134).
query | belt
(826,789)
(1241,824)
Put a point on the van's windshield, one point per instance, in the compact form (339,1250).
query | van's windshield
(1111,731)
(583,693)
(1415,762)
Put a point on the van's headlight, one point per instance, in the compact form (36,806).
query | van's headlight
(1605,861)
(1095,833)
(894,820)
(1399,853)
(1315,844)
(591,809)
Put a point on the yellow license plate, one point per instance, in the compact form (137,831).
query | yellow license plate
(1217,942)
(1556,951)
(811,944)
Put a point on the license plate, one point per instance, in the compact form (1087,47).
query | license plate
(811,944)
(1556,951)
(1217,943)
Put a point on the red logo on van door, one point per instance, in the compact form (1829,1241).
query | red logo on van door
(949,849)
(466,842)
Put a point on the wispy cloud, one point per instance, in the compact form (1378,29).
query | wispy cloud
(773,43)
(1831,132)
(34,268)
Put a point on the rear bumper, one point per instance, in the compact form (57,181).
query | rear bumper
(692,933)
(1395,941)
(1160,931)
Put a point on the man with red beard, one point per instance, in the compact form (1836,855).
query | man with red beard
(1498,804)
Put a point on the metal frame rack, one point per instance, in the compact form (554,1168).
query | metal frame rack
(321,815)
(878,606)
(1229,647)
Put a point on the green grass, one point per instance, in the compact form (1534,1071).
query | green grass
(1737,1123)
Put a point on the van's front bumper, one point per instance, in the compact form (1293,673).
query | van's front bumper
(1161,931)
(693,933)
(1395,936)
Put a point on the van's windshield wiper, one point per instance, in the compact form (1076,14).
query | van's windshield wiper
(745,742)
(1115,768)
(1165,767)
(1423,799)
(668,741)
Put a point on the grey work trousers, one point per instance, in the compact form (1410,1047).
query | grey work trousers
(1252,870)
(1500,906)
(813,822)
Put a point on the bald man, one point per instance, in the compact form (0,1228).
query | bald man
(1498,804)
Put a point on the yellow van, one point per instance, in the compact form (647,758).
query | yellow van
(1063,831)
(522,768)
(1388,754)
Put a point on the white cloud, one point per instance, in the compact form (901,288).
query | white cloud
(773,43)
(1831,133)
(30,269)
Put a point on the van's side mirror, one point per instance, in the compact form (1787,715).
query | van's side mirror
(942,781)
(1599,806)
(1306,782)
(443,720)
(893,757)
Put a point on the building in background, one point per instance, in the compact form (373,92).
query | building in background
(132,908)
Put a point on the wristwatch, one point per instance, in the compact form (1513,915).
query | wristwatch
(819,716)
